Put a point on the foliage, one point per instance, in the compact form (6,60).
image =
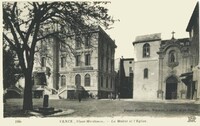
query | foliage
(11,71)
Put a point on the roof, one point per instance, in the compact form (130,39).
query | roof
(176,40)
(107,36)
(147,38)
(186,74)
(195,14)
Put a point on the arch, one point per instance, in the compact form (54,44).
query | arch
(63,80)
(171,45)
(171,87)
(87,80)
(78,80)
(146,71)
(146,50)
(172,75)
(172,56)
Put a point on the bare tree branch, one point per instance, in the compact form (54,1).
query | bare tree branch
(6,18)
(46,36)
(9,41)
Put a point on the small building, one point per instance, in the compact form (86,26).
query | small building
(125,78)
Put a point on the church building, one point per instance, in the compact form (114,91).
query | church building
(158,67)
(167,69)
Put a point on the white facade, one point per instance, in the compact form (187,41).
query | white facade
(146,87)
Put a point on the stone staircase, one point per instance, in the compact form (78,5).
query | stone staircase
(58,94)
(53,96)
(62,92)
(17,90)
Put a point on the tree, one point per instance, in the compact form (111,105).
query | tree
(11,73)
(27,23)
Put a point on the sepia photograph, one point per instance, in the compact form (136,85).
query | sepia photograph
(100,62)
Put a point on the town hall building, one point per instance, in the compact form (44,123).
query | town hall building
(88,66)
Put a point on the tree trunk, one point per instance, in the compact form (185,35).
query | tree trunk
(28,103)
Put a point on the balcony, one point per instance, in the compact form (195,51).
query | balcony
(83,68)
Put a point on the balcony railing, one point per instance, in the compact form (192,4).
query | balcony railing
(83,68)
(40,69)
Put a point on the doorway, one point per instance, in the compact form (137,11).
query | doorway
(171,88)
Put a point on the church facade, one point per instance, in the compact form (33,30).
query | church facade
(159,66)
(174,60)
(168,69)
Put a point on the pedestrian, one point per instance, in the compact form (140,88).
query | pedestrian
(4,96)
(111,96)
(79,97)
(119,95)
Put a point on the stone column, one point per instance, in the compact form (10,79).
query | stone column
(160,84)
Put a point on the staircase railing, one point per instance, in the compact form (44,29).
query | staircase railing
(16,89)
(62,89)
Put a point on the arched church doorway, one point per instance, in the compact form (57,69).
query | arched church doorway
(171,88)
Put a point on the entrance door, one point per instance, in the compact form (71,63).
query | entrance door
(171,88)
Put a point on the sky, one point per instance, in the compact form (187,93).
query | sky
(141,17)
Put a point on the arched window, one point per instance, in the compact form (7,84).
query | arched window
(146,50)
(63,80)
(146,73)
(87,80)
(43,62)
(78,80)
(172,56)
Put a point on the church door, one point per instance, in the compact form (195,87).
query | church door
(171,88)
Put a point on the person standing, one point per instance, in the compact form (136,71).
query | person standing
(118,95)
(79,96)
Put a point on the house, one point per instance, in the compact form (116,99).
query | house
(126,77)
(193,77)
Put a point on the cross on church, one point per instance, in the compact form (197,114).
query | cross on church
(173,34)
